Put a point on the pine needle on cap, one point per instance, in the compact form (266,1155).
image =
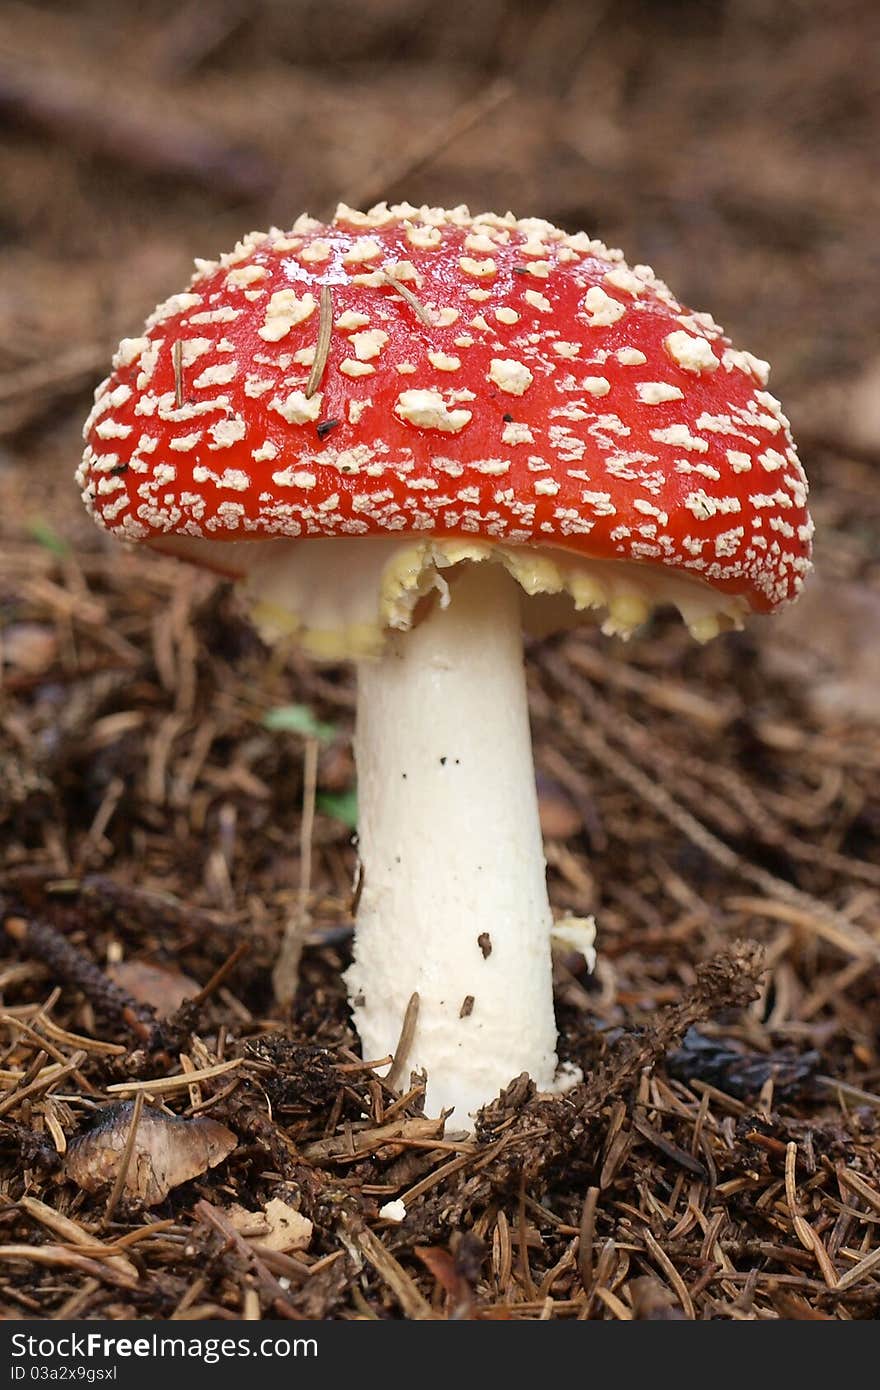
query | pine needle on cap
(177,362)
(406,293)
(322,347)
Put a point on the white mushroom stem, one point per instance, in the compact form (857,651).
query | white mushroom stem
(454,904)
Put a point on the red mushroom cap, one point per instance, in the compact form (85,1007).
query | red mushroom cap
(476,377)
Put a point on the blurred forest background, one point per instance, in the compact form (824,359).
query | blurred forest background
(689,796)
(732,143)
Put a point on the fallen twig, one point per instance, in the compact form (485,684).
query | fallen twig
(68,963)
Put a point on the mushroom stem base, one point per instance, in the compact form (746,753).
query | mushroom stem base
(454,904)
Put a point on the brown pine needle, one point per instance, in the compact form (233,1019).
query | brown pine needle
(75,1236)
(70,1259)
(177,361)
(163,1084)
(404,1042)
(662,1259)
(803,1230)
(285,976)
(857,1183)
(860,1271)
(48,1076)
(393,1275)
(614,1305)
(119,1185)
(406,293)
(221,974)
(587,1233)
(322,346)
(526,1269)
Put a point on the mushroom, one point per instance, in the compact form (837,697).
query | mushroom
(408,433)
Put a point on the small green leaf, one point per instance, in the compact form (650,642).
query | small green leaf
(298,719)
(342,806)
(40,531)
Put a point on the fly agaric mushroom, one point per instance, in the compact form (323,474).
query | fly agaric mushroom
(409,432)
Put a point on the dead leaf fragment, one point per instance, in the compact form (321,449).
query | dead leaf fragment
(442,1265)
(168,1151)
(560,818)
(576,934)
(278,1226)
(30,647)
(157,985)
